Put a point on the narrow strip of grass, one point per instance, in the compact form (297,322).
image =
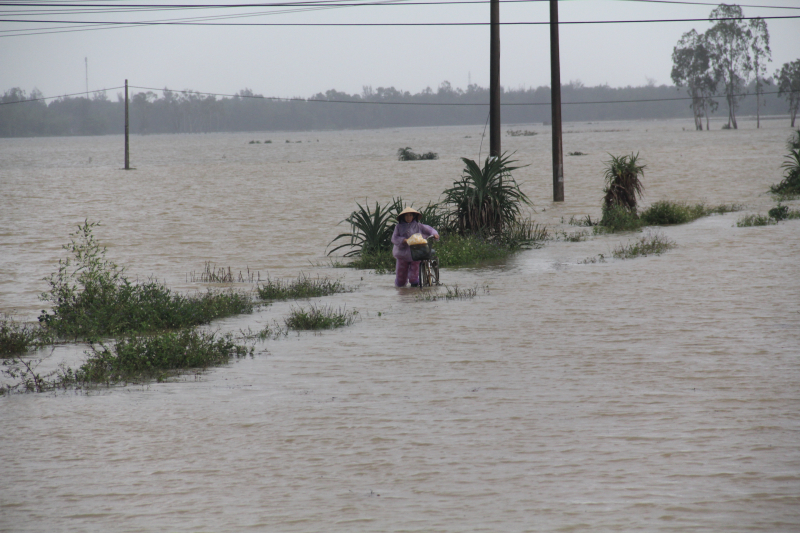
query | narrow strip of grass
(651,244)
(302,287)
(125,308)
(319,317)
(131,360)
(662,213)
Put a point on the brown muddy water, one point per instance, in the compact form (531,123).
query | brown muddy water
(650,394)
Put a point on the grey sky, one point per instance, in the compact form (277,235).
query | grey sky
(300,61)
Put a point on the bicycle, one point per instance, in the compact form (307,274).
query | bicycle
(428,264)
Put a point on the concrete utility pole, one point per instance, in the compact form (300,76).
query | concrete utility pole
(127,151)
(494,80)
(86,63)
(555,105)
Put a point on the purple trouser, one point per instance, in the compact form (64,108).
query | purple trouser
(406,271)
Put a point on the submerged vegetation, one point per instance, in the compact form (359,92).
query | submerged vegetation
(16,338)
(320,317)
(406,154)
(661,213)
(302,287)
(651,244)
(131,359)
(451,293)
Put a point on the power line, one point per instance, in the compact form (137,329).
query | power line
(383,24)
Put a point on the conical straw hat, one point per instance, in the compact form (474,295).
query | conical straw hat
(408,210)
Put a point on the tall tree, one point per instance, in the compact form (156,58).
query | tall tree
(760,55)
(692,69)
(788,79)
(728,41)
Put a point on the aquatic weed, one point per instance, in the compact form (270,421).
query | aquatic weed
(651,244)
(319,317)
(302,287)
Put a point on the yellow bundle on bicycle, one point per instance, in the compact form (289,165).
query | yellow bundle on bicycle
(417,238)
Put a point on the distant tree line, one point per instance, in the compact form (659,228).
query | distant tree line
(731,54)
(193,112)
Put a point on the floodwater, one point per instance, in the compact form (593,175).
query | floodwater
(650,394)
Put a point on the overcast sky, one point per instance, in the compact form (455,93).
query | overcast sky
(301,61)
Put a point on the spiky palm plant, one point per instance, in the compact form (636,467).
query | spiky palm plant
(486,199)
(623,183)
(370,230)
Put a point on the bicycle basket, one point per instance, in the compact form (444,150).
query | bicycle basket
(420,252)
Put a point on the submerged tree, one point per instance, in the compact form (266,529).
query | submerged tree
(788,79)
(728,41)
(692,69)
(760,55)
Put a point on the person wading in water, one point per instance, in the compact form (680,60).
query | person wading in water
(407,225)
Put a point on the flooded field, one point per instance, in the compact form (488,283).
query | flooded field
(651,394)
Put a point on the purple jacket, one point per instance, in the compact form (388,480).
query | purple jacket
(404,230)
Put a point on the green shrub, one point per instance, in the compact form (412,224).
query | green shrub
(92,298)
(665,213)
(303,287)
(618,218)
(16,338)
(406,154)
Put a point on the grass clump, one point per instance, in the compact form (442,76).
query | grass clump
(134,358)
(302,287)
(406,154)
(665,212)
(755,220)
(451,293)
(92,297)
(652,244)
(319,317)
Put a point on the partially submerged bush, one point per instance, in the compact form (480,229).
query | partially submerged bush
(618,218)
(91,297)
(755,220)
(665,213)
(319,317)
(16,338)
(302,287)
(406,154)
